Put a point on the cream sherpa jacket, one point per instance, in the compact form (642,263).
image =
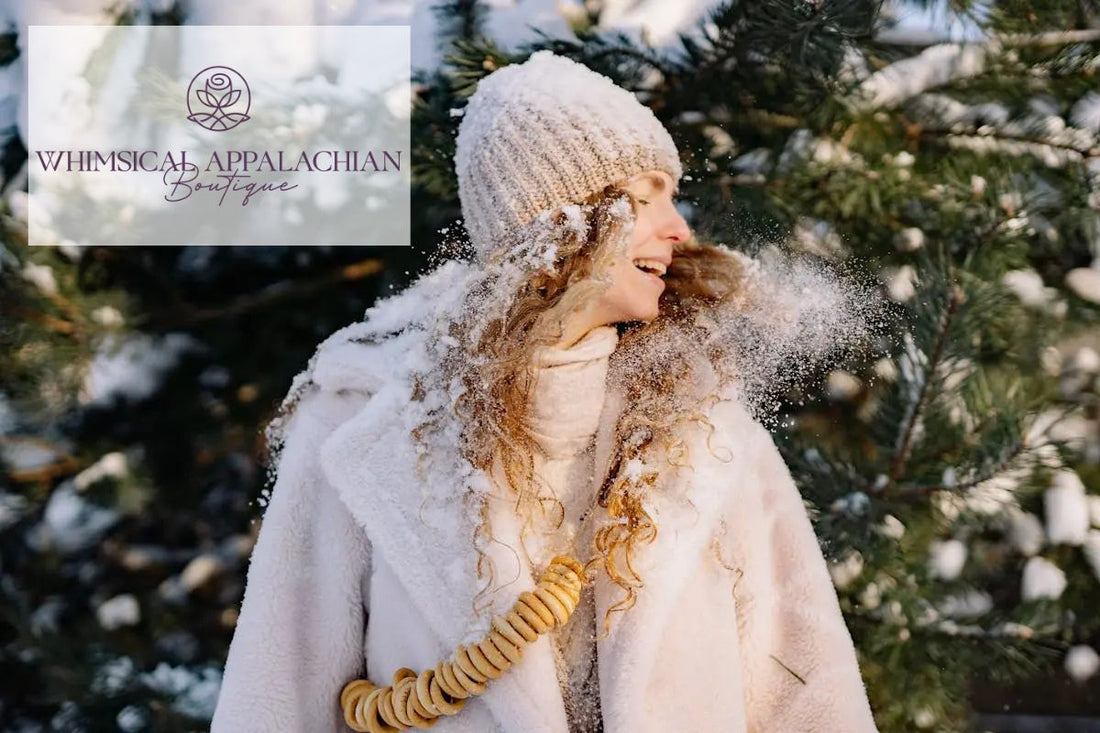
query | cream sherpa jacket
(737,629)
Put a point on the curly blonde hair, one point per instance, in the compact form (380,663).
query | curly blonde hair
(473,328)
(493,364)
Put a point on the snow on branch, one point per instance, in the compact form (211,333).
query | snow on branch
(945,63)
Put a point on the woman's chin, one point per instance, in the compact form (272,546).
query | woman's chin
(638,305)
(643,313)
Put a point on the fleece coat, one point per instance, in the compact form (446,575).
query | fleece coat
(737,628)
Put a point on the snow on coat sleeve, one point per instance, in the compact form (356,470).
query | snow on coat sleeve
(799,664)
(299,636)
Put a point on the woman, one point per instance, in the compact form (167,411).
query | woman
(577,389)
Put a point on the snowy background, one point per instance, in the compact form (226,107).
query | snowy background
(127,510)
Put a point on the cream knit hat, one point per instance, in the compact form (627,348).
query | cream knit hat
(545,133)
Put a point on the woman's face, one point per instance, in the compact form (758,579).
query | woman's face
(635,274)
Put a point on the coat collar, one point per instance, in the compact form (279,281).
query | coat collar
(371,462)
(373,468)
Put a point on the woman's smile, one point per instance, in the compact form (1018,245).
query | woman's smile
(653,268)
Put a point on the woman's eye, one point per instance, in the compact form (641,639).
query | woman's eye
(642,201)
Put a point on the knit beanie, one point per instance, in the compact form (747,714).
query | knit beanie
(546,133)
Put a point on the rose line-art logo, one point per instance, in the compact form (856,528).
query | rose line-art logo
(218,98)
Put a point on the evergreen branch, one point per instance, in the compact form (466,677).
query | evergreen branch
(646,58)
(1048,38)
(1045,638)
(917,129)
(905,79)
(70,310)
(469,61)
(1025,634)
(942,64)
(57,325)
(984,235)
(1002,465)
(459,20)
(1015,145)
(69,326)
(1067,412)
(1007,40)
(778,120)
(593,48)
(897,466)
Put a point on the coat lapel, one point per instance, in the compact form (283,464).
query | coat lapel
(685,505)
(426,533)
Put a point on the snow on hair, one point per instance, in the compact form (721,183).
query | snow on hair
(461,336)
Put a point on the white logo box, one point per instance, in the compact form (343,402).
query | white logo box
(219,135)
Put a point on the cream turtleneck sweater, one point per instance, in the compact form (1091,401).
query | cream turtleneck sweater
(563,415)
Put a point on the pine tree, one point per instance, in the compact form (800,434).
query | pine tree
(965,177)
(136,382)
(947,479)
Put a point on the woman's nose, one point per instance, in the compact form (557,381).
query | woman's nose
(674,227)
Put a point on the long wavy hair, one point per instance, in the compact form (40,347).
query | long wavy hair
(491,359)
(468,331)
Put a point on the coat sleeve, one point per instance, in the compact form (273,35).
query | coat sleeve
(798,661)
(300,632)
